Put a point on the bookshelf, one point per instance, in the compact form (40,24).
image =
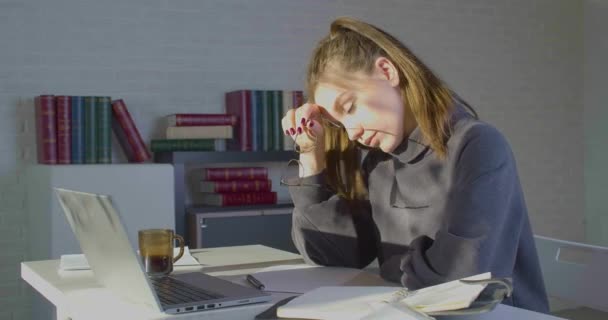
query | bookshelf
(179,161)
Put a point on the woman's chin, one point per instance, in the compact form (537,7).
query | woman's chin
(387,145)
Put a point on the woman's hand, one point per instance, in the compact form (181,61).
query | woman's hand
(303,125)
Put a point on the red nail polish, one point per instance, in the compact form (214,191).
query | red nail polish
(299,130)
(293,131)
(286,132)
(311,124)
(303,120)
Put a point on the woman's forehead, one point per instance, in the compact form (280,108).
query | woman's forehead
(326,95)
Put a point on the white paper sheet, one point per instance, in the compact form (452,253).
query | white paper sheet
(71,262)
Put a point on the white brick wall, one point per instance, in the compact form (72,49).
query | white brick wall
(517,61)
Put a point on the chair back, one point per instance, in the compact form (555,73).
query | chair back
(583,282)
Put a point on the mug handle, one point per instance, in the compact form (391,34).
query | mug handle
(181,246)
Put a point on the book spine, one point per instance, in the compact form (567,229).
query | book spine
(77,125)
(260,99)
(103,109)
(199,132)
(127,134)
(164,145)
(287,104)
(238,103)
(46,134)
(240,173)
(276,120)
(254,124)
(239,199)
(269,120)
(236,186)
(201,119)
(64,132)
(298,99)
(251,198)
(90,130)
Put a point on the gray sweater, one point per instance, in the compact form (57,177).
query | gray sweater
(429,220)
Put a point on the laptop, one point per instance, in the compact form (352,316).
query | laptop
(103,239)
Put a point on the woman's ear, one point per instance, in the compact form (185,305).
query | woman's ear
(387,70)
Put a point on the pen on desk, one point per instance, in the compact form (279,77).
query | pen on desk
(255,282)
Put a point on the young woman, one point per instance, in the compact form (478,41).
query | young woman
(437,196)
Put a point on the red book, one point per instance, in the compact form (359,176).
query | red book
(238,103)
(240,173)
(200,119)
(127,134)
(239,199)
(236,186)
(63,117)
(46,134)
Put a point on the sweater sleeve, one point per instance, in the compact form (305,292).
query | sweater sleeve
(329,230)
(485,211)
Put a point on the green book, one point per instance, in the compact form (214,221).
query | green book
(269,117)
(90,130)
(103,109)
(167,145)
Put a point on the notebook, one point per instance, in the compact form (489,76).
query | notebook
(339,302)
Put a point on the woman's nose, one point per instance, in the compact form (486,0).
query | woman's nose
(354,133)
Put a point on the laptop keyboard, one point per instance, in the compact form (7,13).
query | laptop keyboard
(172,291)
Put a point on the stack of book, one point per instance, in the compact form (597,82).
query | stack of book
(196,132)
(77,130)
(237,186)
(259,115)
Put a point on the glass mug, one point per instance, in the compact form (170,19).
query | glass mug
(156,250)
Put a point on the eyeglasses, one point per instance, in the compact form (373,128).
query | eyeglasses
(294,170)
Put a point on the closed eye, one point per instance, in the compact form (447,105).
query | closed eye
(350,107)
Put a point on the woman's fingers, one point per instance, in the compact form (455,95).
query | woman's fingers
(288,123)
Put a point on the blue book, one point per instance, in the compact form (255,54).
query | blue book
(77,130)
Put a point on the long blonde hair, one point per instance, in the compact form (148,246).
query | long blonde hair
(353,45)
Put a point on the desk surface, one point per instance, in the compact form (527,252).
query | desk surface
(77,295)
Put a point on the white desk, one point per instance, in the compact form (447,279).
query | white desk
(77,295)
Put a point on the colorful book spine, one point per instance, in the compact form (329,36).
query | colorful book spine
(90,130)
(260,99)
(298,99)
(268,125)
(201,119)
(287,104)
(254,124)
(238,103)
(277,132)
(46,134)
(166,145)
(236,186)
(239,199)
(64,132)
(265,120)
(199,132)
(236,173)
(103,118)
(77,126)
(127,134)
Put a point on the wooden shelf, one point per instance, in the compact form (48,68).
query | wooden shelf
(186,157)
